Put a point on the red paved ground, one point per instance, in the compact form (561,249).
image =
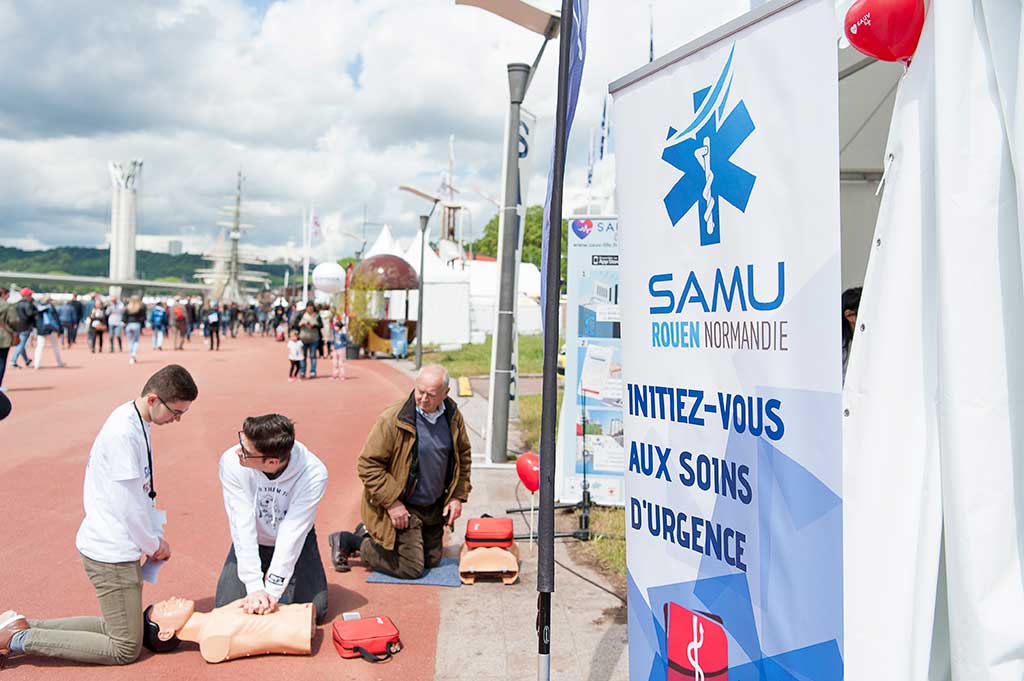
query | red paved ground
(43,450)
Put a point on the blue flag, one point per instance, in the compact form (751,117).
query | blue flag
(577,56)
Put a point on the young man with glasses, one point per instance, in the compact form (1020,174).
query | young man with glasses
(272,486)
(121,526)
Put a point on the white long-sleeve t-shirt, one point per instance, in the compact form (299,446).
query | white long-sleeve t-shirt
(121,523)
(265,512)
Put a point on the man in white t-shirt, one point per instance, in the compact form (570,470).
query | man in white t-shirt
(272,486)
(121,527)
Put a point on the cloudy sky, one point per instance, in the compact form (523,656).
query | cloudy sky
(334,102)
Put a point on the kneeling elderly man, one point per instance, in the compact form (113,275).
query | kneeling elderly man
(272,487)
(415,470)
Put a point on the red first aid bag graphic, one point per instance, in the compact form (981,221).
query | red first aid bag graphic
(698,648)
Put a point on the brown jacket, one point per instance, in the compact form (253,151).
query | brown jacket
(8,325)
(389,455)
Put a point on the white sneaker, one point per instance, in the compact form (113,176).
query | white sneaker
(8,617)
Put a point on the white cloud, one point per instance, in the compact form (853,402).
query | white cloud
(335,102)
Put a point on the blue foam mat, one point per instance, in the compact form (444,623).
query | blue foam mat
(445,574)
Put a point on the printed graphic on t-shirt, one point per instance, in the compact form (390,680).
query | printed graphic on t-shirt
(268,508)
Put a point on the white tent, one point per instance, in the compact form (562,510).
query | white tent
(934,398)
(483,278)
(384,244)
(446,297)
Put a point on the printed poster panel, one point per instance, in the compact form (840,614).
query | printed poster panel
(591,433)
(728,177)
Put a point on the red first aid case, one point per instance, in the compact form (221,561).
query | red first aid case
(375,639)
(482,532)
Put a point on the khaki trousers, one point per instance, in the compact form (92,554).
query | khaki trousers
(113,638)
(417,547)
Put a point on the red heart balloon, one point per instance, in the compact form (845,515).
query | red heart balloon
(528,468)
(885,29)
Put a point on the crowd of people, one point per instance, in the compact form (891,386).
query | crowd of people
(112,324)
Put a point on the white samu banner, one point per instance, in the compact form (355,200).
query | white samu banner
(728,188)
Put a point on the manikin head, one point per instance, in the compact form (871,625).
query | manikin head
(431,387)
(163,621)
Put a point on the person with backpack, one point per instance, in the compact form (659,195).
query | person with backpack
(212,319)
(47,326)
(8,331)
(179,324)
(158,322)
(26,312)
(68,322)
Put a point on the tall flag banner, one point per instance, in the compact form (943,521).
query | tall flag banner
(590,160)
(577,57)
(731,352)
(315,231)
(604,129)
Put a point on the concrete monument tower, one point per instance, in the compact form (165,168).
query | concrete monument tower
(125,179)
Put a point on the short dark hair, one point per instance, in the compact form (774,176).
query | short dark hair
(4,290)
(173,383)
(272,435)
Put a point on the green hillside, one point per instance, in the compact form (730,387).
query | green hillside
(95,262)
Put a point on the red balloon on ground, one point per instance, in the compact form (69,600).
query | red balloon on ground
(885,29)
(528,468)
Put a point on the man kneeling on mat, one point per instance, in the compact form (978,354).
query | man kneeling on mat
(415,470)
(272,485)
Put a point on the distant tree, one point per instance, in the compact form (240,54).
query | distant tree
(533,232)
(345,262)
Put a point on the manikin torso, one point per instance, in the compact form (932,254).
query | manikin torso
(227,633)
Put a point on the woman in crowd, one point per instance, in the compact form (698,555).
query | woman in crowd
(212,317)
(115,323)
(310,326)
(47,327)
(134,317)
(97,324)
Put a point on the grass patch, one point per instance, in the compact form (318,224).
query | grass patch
(529,418)
(475,360)
(608,552)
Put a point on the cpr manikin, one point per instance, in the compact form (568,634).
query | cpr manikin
(228,632)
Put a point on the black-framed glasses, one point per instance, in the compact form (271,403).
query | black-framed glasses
(174,412)
(244,453)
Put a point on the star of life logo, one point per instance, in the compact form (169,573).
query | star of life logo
(698,649)
(702,152)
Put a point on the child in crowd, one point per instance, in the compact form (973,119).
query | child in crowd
(340,343)
(294,355)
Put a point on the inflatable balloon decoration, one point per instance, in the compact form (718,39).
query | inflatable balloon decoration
(528,468)
(885,29)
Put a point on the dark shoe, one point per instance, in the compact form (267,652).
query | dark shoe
(339,557)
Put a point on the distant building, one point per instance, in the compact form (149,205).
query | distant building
(174,247)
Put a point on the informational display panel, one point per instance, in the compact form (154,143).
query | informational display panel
(591,437)
(728,179)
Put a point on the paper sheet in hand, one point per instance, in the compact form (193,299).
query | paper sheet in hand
(151,568)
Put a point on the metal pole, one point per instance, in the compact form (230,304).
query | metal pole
(517,77)
(419,315)
(546,521)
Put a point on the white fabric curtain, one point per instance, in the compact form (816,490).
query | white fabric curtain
(934,396)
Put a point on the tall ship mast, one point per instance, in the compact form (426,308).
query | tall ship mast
(229,280)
